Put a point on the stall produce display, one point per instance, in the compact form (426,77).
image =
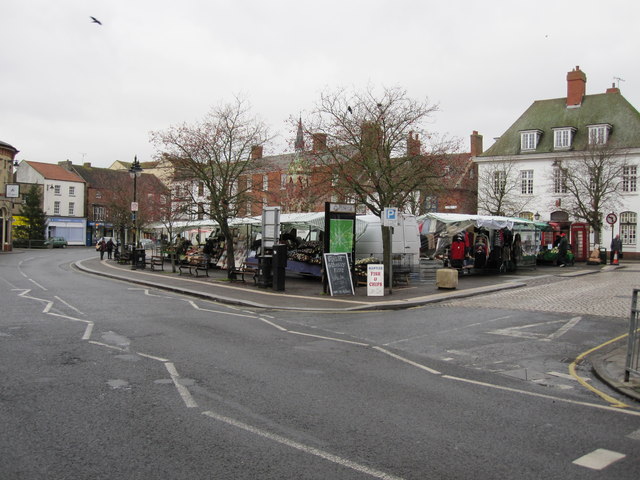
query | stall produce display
(547,256)
(307,252)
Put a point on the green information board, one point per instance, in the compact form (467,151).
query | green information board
(341,236)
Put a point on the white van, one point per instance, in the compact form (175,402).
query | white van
(406,239)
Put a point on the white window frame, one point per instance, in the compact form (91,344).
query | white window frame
(559,180)
(249,183)
(599,134)
(56,207)
(628,227)
(499,180)
(265,183)
(629,179)
(563,138)
(529,140)
(526,182)
(283,181)
(72,207)
(99,213)
(72,191)
(57,190)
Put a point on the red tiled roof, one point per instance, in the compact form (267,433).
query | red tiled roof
(54,172)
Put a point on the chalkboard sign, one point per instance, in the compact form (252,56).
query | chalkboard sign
(338,273)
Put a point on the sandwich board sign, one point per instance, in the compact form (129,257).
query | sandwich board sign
(338,274)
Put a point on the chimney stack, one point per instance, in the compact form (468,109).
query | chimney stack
(413,145)
(256,152)
(476,143)
(613,89)
(576,87)
(319,142)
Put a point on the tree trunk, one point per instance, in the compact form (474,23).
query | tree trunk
(231,261)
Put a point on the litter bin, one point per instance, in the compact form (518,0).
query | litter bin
(138,258)
(279,266)
(264,274)
(603,255)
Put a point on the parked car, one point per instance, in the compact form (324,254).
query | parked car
(56,242)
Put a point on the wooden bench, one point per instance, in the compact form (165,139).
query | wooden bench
(243,270)
(156,261)
(195,266)
(123,258)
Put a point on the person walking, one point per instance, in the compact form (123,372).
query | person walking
(563,246)
(102,248)
(616,246)
(109,248)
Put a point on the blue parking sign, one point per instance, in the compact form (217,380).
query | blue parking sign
(390,217)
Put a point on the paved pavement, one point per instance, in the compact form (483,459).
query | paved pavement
(305,294)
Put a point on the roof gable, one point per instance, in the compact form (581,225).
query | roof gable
(545,115)
(54,172)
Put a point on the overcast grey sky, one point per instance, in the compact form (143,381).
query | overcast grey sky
(72,89)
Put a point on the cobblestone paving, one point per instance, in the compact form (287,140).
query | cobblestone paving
(607,293)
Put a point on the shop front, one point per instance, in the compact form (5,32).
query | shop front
(73,230)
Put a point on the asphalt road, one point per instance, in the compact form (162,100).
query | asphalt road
(102,379)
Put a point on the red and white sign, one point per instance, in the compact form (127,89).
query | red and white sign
(612,218)
(134,206)
(375,280)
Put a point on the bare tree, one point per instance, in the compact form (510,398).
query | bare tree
(592,183)
(217,151)
(500,189)
(372,148)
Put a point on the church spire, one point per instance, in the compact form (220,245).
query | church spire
(299,145)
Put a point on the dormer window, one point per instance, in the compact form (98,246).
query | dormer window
(599,134)
(562,138)
(529,139)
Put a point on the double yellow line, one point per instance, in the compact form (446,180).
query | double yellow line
(572,370)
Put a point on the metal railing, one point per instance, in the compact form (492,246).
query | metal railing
(632,364)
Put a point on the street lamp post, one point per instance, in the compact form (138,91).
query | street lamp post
(134,172)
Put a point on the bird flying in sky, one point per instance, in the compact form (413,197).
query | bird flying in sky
(95,20)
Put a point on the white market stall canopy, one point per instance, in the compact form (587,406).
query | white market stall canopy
(456,222)
(302,221)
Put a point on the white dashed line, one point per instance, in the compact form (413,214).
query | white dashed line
(303,448)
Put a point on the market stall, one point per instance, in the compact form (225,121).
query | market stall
(481,242)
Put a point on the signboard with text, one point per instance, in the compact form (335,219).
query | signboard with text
(338,274)
(375,280)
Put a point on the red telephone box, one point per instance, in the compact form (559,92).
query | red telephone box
(580,241)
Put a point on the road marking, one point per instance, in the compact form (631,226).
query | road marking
(564,329)
(572,370)
(328,338)
(634,435)
(112,347)
(152,357)
(275,325)
(542,395)
(182,390)
(599,459)
(519,333)
(406,360)
(36,283)
(197,307)
(303,448)
(68,305)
